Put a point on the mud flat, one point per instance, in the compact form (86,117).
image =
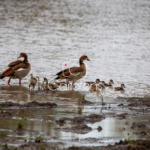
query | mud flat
(81,129)
(33,104)
(5,115)
(82,120)
(123,145)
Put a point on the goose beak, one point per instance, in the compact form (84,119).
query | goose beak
(19,56)
(88,59)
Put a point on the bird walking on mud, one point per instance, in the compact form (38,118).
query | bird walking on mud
(74,73)
(17,69)
(32,81)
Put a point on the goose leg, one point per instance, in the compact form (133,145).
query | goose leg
(19,81)
(73,86)
(9,81)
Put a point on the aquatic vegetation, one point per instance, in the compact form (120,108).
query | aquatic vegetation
(21,123)
(1,109)
(38,82)
(37,138)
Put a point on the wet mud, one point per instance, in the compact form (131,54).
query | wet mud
(82,120)
(5,115)
(32,104)
(137,126)
(81,129)
(139,102)
(123,145)
(85,102)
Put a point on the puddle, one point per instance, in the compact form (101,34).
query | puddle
(115,126)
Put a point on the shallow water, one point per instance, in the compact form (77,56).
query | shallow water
(113,34)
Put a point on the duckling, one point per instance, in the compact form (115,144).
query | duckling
(96,86)
(45,84)
(88,83)
(110,83)
(120,88)
(32,81)
(61,83)
(102,84)
(53,86)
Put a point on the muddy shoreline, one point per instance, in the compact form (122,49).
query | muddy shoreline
(33,104)
(80,126)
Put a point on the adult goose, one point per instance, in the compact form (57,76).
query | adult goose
(74,73)
(17,69)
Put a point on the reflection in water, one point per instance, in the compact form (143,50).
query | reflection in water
(69,106)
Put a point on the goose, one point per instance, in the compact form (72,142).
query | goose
(74,73)
(110,83)
(45,84)
(88,83)
(17,69)
(120,88)
(102,84)
(32,81)
(96,86)
(50,86)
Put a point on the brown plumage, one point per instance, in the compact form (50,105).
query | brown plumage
(50,86)
(74,73)
(32,81)
(17,69)
(110,83)
(88,83)
(96,86)
(120,88)
(45,84)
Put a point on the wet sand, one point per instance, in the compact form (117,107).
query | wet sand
(81,125)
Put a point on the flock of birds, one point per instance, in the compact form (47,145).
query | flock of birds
(20,68)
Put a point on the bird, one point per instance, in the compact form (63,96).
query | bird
(17,69)
(110,83)
(32,81)
(96,86)
(45,84)
(50,86)
(102,84)
(120,88)
(74,73)
(88,83)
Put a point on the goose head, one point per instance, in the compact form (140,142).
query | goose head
(45,80)
(24,55)
(122,85)
(111,81)
(82,58)
(103,82)
(97,81)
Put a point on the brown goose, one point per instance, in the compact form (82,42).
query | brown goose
(74,73)
(50,86)
(88,83)
(110,83)
(32,81)
(120,88)
(17,69)
(45,84)
(96,86)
